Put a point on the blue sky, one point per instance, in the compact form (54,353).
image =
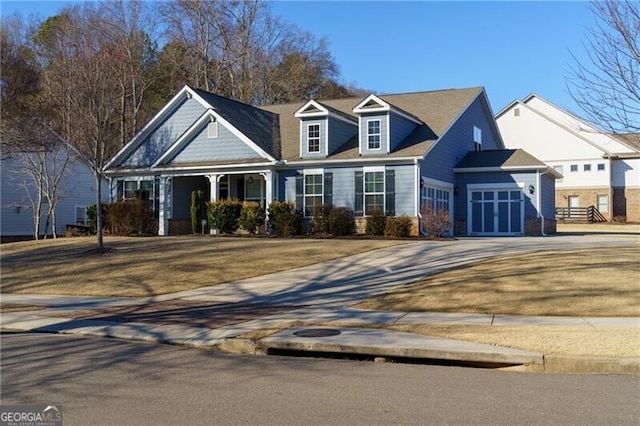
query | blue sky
(512,48)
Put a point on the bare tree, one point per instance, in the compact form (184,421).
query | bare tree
(37,158)
(80,63)
(607,88)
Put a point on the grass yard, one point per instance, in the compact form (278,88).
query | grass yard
(596,282)
(139,267)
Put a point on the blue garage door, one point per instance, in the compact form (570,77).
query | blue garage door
(496,212)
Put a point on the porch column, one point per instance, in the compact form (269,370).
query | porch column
(163,200)
(213,187)
(268,193)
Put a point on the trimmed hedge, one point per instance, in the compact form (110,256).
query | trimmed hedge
(376,223)
(341,221)
(288,224)
(398,226)
(224,215)
(252,216)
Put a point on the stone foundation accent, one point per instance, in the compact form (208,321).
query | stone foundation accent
(460,227)
(179,227)
(361,223)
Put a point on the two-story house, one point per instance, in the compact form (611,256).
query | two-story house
(389,152)
(598,169)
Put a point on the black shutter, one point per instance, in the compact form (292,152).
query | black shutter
(328,188)
(300,193)
(390,192)
(359,187)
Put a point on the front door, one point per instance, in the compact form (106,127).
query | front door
(496,212)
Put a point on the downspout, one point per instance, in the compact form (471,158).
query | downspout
(539,201)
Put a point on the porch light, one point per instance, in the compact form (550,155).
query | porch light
(532,189)
(250,180)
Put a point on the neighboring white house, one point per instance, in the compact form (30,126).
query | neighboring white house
(76,193)
(599,169)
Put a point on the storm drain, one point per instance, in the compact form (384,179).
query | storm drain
(317,332)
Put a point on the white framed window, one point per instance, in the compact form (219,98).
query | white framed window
(373,134)
(586,167)
(436,198)
(477,138)
(603,203)
(212,130)
(142,189)
(254,188)
(313,138)
(313,192)
(373,191)
(81,215)
(601,167)
(574,168)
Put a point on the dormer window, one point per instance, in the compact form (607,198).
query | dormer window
(373,134)
(313,137)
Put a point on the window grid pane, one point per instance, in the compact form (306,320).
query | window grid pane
(373,191)
(373,134)
(313,137)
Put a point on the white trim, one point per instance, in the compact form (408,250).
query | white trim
(308,151)
(435,182)
(198,125)
(370,169)
(479,187)
(386,160)
(323,112)
(313,172)
(497,186)
(379,120)
(383,106)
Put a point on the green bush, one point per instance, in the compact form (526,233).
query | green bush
(341,221)
(224,215)
(252,216)
(436,223)
(320,219)
(196,210)
(398,226)
(288,224)
(276,208)
(127,217)
(376,223)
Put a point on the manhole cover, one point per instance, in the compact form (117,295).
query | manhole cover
(316,332)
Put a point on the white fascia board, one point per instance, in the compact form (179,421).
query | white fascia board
(360,107)
(507,108)
(324,161)
(437,182)
(151,124)
(191,170)
(321,113)
(453,122)
(493,124)
(499,169)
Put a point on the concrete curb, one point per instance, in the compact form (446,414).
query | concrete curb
(348,341)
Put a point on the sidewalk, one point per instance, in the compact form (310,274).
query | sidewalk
(341,331)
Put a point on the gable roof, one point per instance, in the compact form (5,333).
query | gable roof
(437,110)
(502,159)
(587,132)
(260,126)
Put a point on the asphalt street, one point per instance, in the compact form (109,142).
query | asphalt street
(113,382)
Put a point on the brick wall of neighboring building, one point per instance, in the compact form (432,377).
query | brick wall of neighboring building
(626,204)
(588,197)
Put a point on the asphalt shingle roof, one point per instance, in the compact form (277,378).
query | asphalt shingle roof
(502,158)
(436,109)
(257,124)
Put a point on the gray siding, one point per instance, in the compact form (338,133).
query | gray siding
(463,179)
(339,133)
(384,131)
(305,137)
(226,146)
(344,188)
(453,146)
(548,196)
(405,189)
(400,129)
(76,188)
(154,145)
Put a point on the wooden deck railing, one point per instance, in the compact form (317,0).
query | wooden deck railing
(579,214)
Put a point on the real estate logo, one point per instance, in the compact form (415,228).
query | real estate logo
(31,415)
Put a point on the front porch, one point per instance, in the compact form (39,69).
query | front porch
(174,216)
